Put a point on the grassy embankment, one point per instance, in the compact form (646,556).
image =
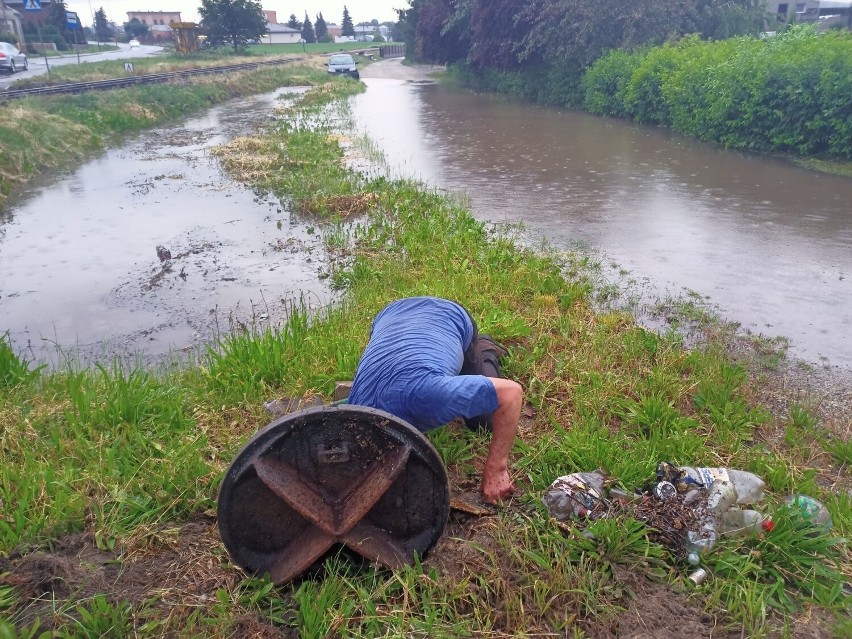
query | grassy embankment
(47,132)
(788,94)
(316,48)
(130,456)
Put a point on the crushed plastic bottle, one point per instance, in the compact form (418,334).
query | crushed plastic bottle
(749,487)
(720,497)
(575,495)
(813,510)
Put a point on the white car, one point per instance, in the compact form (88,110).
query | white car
(11,59)
(134,43)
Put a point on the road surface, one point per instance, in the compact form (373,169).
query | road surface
(37,66)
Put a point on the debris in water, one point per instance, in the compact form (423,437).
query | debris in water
(163,253)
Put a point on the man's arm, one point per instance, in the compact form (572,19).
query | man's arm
(496,483)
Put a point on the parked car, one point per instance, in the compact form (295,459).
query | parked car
(12,59)
(134,43)
(343,63)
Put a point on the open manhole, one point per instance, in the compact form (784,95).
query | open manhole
(332,475)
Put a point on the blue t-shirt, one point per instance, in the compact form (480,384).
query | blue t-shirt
(411,365)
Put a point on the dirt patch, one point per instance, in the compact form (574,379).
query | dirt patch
(655,610)
(172,569)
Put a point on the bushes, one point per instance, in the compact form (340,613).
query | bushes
(787,93)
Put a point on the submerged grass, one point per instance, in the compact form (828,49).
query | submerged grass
(120,451)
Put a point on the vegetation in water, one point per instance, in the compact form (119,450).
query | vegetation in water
(134,457)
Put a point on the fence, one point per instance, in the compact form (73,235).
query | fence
(392,51)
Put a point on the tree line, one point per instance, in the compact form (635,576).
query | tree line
(509,35)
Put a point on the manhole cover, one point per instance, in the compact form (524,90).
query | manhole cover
(346,475)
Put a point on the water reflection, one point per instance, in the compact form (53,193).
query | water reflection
(769,242)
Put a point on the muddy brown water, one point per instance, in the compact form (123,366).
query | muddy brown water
(768,243)
(79,266)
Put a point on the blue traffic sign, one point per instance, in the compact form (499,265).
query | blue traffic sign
(32,5)
(71,20)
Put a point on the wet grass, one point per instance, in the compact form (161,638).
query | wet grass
(128,454)
(313,48)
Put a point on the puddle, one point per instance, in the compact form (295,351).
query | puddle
(80,260)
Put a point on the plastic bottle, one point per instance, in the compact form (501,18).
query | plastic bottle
(810,509)
(749,486)
(742,522)
(720,497)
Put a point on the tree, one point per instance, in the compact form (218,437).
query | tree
(102,30)
(294,23)
(308,34)
(321,29)
(347,28)
(232,22)
(135,29)
(55,15)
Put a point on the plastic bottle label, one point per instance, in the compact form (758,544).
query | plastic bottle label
(709,475)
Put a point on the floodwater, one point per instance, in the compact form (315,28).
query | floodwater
(768,243)
(79,265)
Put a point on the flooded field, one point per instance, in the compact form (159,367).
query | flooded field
(151,248)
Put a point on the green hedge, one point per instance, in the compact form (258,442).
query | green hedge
(791,92)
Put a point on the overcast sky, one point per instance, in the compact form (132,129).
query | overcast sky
(332,10)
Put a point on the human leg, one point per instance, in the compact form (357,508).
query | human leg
(496,483)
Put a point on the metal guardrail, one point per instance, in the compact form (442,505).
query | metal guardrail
(118,83)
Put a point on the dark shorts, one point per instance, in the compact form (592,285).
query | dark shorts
(482,357)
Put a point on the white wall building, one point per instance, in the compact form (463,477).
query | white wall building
(280,34)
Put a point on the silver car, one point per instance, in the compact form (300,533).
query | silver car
(343,63)
(12,59)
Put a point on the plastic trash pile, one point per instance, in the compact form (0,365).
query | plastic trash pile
(686,508)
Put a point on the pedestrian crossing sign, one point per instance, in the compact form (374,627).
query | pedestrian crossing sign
(32,5)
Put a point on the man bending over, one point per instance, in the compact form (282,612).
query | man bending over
(412,368)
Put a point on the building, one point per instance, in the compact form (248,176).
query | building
(10,22)
(823,12)
(271,16)
(334,30)
(28,17)
(280,34)
(155,18)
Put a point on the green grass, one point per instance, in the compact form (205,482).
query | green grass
(314,48)
(119,451)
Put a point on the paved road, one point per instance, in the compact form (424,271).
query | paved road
(394,69)
(37,66)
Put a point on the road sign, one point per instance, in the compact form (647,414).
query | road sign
(71,20)
(32,5)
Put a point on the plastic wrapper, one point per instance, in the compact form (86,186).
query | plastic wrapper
(579,495)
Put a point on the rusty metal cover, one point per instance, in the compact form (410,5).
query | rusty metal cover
(331,475)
